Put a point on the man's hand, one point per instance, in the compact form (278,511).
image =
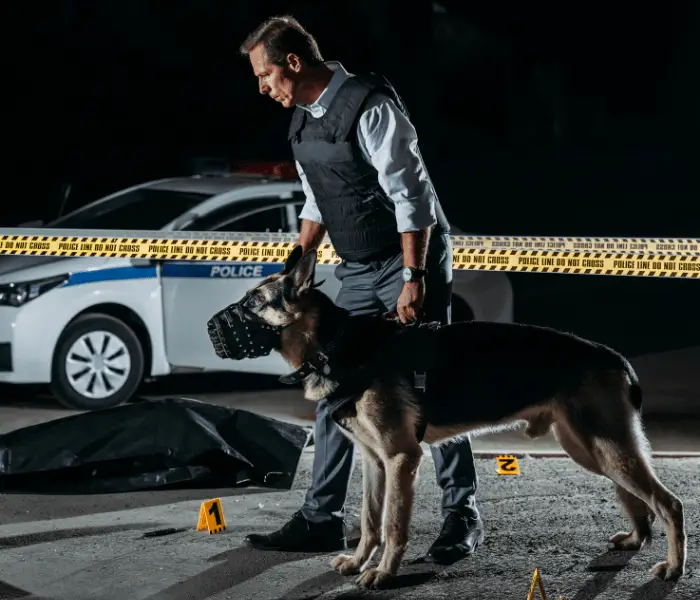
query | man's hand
(410,302)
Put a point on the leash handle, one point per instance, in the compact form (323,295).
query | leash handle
(394,316)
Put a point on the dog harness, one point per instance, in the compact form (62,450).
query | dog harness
(352,382)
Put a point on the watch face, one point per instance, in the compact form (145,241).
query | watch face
(407,274)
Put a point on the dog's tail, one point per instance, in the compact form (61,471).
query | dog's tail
(635,389)
(617,360)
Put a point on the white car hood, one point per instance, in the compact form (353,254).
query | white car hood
(17,268)
(10,264)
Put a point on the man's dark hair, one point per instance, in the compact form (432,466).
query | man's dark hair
(281,36)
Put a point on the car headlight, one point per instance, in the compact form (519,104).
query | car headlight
(18,294)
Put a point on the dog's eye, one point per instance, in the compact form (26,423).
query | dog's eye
(255,300)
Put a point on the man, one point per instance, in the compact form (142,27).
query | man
(366,185)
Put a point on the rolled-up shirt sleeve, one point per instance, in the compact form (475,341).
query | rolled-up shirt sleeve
(390,143)
(310,210)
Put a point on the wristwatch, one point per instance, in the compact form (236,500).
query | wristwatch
(413,274)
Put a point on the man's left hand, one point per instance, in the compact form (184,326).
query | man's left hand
(411,301)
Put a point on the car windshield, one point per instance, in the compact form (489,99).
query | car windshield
(144,208)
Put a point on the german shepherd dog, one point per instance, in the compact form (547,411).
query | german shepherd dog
(480,377)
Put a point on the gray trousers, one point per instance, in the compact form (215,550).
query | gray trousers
(374,288)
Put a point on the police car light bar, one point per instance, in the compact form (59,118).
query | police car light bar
(283,170)
(213,166)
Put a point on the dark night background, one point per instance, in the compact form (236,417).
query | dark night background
(535,118)
(563,118)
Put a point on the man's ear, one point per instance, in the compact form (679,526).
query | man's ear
(293,62)
(303,272)
(292,260)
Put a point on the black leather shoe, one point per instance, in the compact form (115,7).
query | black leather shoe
(458,538)
(300,535)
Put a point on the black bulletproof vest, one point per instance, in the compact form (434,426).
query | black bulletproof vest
(357,213)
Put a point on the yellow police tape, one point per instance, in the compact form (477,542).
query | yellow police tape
(475,259)
(579,263)
(149,245)
(571,244)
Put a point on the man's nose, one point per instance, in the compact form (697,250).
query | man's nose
(264,89)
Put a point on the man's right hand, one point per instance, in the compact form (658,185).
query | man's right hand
(411,301)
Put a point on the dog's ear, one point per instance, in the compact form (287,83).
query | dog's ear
(292,259)
(303,272)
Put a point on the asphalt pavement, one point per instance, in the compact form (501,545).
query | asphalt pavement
(553,516)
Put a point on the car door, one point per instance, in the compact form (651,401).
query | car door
(194,291)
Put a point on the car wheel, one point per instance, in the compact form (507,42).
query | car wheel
(98,363)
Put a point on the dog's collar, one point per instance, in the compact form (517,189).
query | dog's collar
(318,362)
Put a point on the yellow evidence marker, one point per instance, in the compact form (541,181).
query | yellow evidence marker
(211,516)
(535,580)
(507,465)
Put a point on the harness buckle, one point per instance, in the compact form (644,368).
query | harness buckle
(419,380)
(322,361)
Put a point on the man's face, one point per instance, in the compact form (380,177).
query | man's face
(280,83)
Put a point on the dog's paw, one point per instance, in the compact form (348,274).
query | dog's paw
(373,578)
(627,541)
(345,564)
(663,571)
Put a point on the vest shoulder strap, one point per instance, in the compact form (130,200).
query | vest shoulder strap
(342,114)
(344,110)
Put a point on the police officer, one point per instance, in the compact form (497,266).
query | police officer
(366,185)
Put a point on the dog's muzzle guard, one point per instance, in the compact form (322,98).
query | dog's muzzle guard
(237,333)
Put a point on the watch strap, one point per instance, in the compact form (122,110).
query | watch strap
(416,274)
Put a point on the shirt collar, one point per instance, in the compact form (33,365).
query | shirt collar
(320,106)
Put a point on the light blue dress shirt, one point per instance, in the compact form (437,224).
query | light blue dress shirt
(388,141)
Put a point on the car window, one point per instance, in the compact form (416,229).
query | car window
(272,219)
(143,208)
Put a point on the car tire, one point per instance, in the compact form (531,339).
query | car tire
(87,377)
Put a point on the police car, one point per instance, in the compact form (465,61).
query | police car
(95,328)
